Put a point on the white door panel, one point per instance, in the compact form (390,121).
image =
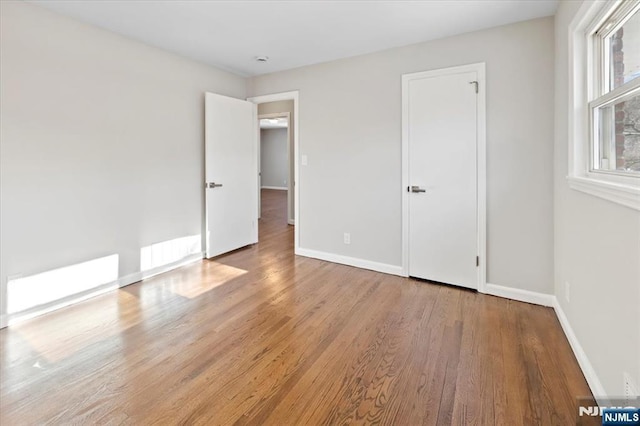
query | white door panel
(230,161)
(443,233)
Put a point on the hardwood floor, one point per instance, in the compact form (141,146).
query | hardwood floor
(262,337)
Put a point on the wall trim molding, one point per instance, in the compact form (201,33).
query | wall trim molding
(279,188)
(520,295)
(291,222)
(351,261)
(6,320)
(583,361)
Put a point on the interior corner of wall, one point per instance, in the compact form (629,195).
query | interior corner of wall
(249,86)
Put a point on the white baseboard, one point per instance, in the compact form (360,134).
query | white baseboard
(124,281)
(351,261)
(279,188)
(291,222)
(587,368)
(520,295)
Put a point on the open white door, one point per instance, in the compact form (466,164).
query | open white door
(231,174)
(442,129)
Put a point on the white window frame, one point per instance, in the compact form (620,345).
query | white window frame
(585,76)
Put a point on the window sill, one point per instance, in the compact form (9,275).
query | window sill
(626,195)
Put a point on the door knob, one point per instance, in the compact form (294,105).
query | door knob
(417,189)
(213,185)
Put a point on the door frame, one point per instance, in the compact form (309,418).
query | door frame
(295,97)
(286,115)
(481,158)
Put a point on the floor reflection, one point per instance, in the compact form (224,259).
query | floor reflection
(216,274)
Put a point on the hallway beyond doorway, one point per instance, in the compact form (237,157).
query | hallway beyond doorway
(274,212)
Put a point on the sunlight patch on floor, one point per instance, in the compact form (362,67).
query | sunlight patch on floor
(216,274)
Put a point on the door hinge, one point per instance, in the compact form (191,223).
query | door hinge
(477,260)
(476,84)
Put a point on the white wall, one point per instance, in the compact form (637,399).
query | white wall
(597,250)
(102,143)
(350,129)
(273,158)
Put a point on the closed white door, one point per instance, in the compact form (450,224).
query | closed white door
(442,148)
(231,174)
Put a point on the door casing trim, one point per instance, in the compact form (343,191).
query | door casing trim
(481,158)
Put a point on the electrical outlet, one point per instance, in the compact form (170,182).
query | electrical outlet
(631,390)
(347,238)
(567,291)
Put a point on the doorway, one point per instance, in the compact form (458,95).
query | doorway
(280,107)
(275,165)
(444,175)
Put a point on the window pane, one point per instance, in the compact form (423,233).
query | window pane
(624,52)
(619,136)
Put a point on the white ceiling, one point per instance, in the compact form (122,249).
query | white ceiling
(230,34)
